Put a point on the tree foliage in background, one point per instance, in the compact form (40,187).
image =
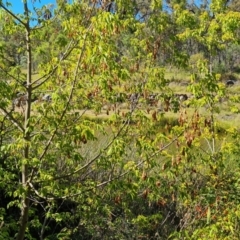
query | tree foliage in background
(67,171)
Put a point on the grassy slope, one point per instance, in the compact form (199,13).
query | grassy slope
(179,80)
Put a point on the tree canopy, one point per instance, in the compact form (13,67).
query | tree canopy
(99,138)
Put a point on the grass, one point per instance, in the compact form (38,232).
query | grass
(35,75)
(177,75)
(179,80)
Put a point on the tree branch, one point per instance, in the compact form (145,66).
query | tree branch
(13,15)
(102,183)
(93,159)
(9,116)
(48,75)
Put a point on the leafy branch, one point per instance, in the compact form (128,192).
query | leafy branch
(12,119)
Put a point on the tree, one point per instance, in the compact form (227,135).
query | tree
(83,153)
(50,141)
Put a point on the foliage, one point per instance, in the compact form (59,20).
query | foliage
(127,171)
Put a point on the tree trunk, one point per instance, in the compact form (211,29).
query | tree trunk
(25,199)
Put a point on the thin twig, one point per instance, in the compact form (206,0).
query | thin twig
(9,116)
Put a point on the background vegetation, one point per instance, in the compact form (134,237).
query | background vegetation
(119,120)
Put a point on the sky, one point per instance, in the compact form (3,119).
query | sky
(17,5)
